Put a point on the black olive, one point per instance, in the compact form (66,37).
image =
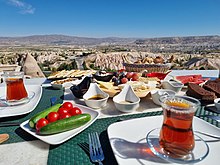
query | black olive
(115,74)
(117,82)
(122,75)
(114,79)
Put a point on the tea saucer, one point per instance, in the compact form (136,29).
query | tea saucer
(199,152)
(5,103)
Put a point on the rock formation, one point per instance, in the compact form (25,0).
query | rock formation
(203,63)
(31,67)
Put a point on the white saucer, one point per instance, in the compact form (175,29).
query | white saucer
(4,102)
(199,152)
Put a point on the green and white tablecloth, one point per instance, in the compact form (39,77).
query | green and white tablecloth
(74,151)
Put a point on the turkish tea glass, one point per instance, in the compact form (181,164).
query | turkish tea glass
(176,135)
(15,88)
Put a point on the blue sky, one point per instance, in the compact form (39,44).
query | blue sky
(110,18)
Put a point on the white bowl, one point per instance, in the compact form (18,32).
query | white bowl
(217,103)
(95,97)
(156,94)
(172,85)
(126,100)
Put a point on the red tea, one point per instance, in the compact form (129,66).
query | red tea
(176,135)
(15,89)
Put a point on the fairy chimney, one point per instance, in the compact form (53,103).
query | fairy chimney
(31,67)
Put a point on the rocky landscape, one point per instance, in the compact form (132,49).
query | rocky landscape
(54,52)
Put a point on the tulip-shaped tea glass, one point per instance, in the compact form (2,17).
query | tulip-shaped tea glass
(176,135)
(15,89)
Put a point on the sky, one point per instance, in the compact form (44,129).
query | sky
(110,18)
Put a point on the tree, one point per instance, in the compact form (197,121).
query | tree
(74,64)
(63,66)
(68,66)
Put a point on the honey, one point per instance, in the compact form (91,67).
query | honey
(96,97)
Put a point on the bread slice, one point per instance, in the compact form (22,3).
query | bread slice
(198,92)
(213,86)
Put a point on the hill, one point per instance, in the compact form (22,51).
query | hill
(62,40)
(73,40)
(180,40)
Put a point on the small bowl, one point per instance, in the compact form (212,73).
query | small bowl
(217,103)
(95,97)
(172,85)
(126,100)
(156,94)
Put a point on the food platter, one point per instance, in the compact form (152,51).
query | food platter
(197,79)
(114,90)
(64,136)
(70,74)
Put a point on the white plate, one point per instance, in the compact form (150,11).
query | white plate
(60,86)
(76,82)
(23,108)
(66,84)
(171,77)
(128,140)
(62,137)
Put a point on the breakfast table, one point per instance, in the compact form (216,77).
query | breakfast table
(23,148)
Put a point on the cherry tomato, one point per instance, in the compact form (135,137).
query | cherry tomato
(52,116)
(75,111)
(62,110)
(134,77)
(129,74)
(67,105)
(64,115)
(40,123)
(124,80)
